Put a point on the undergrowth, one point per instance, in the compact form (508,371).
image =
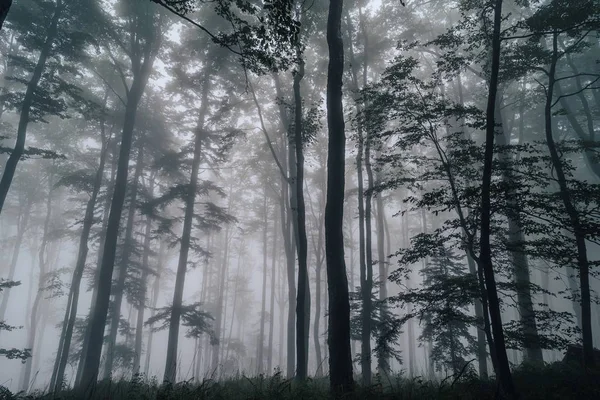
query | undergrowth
(554,381)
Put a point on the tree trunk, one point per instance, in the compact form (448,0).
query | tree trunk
(220,300)
(303,302)
(340,361)
(42,263)
(97,322)
(274,266)
(261,336)
(4,7)
(21,228)
(139,326)
(172,343)
(105,215)
(576,225)
(28,100)
(155,295)
(128,245)
(516,243)
(485,256)
(64,347)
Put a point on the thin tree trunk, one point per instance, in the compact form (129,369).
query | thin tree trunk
(28,101)
(172,343)
(578,231)
(272,300)
(485,256)
(155,295)
(139,326)
(42,263)
(340,361)
(261,336)
(22,227)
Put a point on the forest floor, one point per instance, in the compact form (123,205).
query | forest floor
(555,381)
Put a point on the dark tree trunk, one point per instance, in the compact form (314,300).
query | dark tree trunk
(106,211)
(172,343)
(340,361)
(97,322)
(4,7)
(28,100)
(485,256)
(289,224)
(303,299)
(572,213)
(128,245)
(62,356)
(516,241)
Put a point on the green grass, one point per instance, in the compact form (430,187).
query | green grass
(554,381)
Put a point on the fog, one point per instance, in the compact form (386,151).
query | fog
(200,191)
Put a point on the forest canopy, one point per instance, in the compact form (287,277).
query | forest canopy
(292,199)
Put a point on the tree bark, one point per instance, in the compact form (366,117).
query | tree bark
(155,295)
(64,347)
(4,7)
(15,155)
(42,264)
(485,256)
(340,361)
(172,343)
(97,323)
(139,326)
(572,213)
(128,245)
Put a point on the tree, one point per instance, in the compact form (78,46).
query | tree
(340,357)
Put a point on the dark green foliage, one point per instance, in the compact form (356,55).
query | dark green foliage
(193,317)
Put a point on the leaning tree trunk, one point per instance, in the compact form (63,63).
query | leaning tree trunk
(97,322)
(340,358)
(172,343)
(22,225)
(66,336)
(127,250)
(105,214)
(572,213)
(28,102)
(485,255)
